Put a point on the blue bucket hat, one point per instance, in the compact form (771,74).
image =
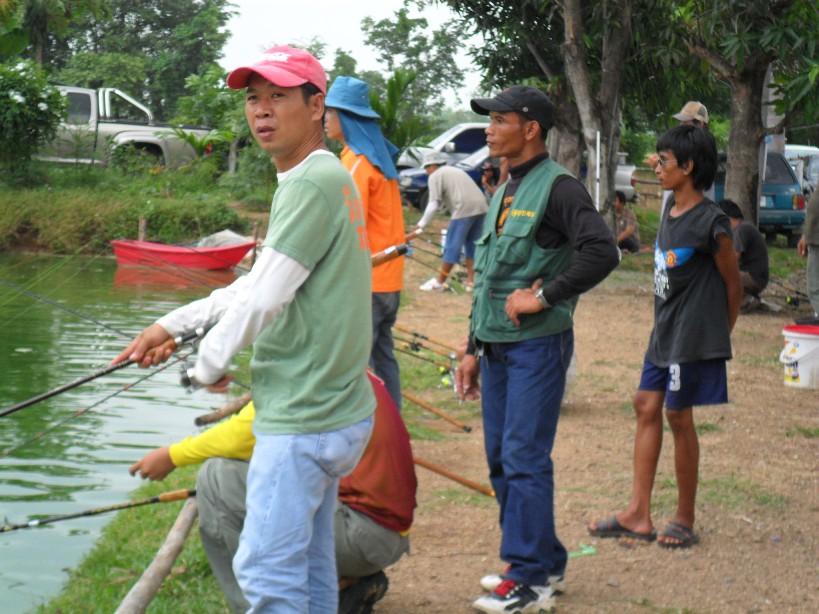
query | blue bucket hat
(351,95)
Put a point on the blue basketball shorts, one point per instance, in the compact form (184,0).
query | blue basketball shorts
(704,382)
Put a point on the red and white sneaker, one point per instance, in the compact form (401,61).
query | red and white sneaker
(556,585)
(511,597)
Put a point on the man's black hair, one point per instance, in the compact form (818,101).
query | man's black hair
(619,194)
(308,90)
(692,144)
(731,209)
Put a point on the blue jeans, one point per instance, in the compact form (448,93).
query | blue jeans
(382,356)
(522,390)
(286,558)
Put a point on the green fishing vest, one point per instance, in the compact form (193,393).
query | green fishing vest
(514,260)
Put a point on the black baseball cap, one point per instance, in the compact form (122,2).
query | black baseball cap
(528,101)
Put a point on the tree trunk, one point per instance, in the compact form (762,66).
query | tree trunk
(598,113)
(742,183)
(565,139)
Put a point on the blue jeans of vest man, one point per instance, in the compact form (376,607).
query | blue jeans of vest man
(523,384)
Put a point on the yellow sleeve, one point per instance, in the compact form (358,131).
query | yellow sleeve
(232,438)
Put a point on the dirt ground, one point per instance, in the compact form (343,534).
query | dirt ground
(758,499)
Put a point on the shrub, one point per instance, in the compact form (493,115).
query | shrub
(30,113)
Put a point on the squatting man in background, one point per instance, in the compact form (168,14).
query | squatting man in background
(306,307)
(372,519)
(542,245)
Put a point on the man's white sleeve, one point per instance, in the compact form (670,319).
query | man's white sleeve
(239,312)
(429,212)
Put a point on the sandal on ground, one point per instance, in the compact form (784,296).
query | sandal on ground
(610,527)
(685,536)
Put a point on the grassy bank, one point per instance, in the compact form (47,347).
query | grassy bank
(80,209)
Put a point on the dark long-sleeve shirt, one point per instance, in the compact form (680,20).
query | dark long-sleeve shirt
(571,217)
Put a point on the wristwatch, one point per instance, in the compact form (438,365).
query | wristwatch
(541,299)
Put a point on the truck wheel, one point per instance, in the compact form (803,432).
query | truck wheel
(422,201)
(137,158)
(793,239)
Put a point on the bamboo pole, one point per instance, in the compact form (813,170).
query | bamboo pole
(452,476)
(436,411)
(139,597)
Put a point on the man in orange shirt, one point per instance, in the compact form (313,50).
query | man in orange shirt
(368,156)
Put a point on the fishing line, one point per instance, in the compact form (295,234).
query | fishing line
(83,317)
(80,412)
(48,301)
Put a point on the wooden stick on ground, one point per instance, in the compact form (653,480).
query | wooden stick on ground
(139,597)
(448,474)
(436,411)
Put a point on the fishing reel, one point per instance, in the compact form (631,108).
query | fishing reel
(186,378)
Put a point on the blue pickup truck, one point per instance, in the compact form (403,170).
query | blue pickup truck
(782,202)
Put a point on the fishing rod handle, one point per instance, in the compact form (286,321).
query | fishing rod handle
(391,253)
(176,495)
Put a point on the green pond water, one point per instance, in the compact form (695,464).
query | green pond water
(84,463)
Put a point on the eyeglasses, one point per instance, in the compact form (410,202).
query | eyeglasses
(663,163)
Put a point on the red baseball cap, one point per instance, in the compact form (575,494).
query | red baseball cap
(283,66)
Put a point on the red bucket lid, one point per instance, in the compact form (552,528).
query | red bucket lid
(802,329)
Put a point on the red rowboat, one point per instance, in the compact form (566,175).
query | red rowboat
(187,257)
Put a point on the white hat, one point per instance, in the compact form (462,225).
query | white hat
(433,157)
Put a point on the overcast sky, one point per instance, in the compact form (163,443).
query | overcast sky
(260,24)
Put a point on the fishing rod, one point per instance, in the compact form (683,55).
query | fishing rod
(443,368)
(415,334)
(171,344)
(416,346)
(168,497)
(79,413)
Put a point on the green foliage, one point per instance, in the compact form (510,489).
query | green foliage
(807,433)
(405,42)
(398,121)
(96,205)
(13,39)
(172,39)
(255,180)
(211,102)
(30,113)
(95,70)
(203,144)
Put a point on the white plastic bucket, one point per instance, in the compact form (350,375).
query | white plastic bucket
(801,356)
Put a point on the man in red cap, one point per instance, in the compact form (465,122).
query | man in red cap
(305,306)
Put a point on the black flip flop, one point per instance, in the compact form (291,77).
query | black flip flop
(610,527)
(675,530)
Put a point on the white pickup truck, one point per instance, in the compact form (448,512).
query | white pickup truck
(100,121)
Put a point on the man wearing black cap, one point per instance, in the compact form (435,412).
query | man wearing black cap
(543,244)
